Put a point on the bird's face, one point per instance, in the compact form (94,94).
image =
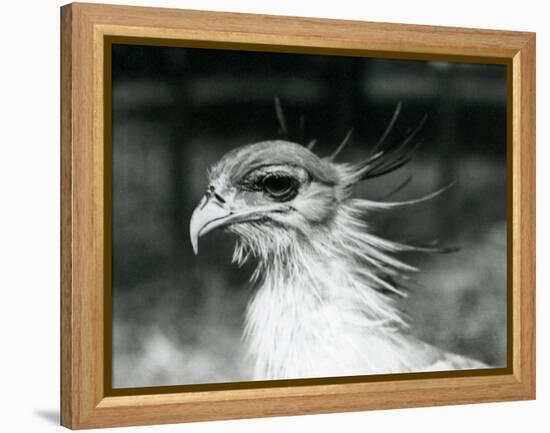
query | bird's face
(268,190)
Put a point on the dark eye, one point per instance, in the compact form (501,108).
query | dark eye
(280,186)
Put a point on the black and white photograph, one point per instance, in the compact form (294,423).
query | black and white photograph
(297,216)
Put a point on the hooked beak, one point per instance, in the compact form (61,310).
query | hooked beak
(208,215)
(214,212)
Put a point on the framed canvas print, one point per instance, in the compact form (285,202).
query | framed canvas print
(269,216)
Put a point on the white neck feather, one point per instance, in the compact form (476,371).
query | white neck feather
(319,309)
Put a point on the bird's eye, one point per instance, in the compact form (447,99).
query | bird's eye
(280,186)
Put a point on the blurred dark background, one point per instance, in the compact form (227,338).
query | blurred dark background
(177,318)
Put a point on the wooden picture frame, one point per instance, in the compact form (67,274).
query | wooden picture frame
(87,400)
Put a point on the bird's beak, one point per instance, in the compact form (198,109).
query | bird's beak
(212,213)
(208,215)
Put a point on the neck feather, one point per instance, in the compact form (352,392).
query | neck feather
(324,306)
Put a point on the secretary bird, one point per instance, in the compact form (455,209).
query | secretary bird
(324,303)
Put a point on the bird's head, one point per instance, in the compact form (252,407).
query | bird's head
(275,194)
(269,192)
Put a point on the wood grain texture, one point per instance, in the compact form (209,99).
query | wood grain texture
(525,205)
(67,393)
(84,403)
